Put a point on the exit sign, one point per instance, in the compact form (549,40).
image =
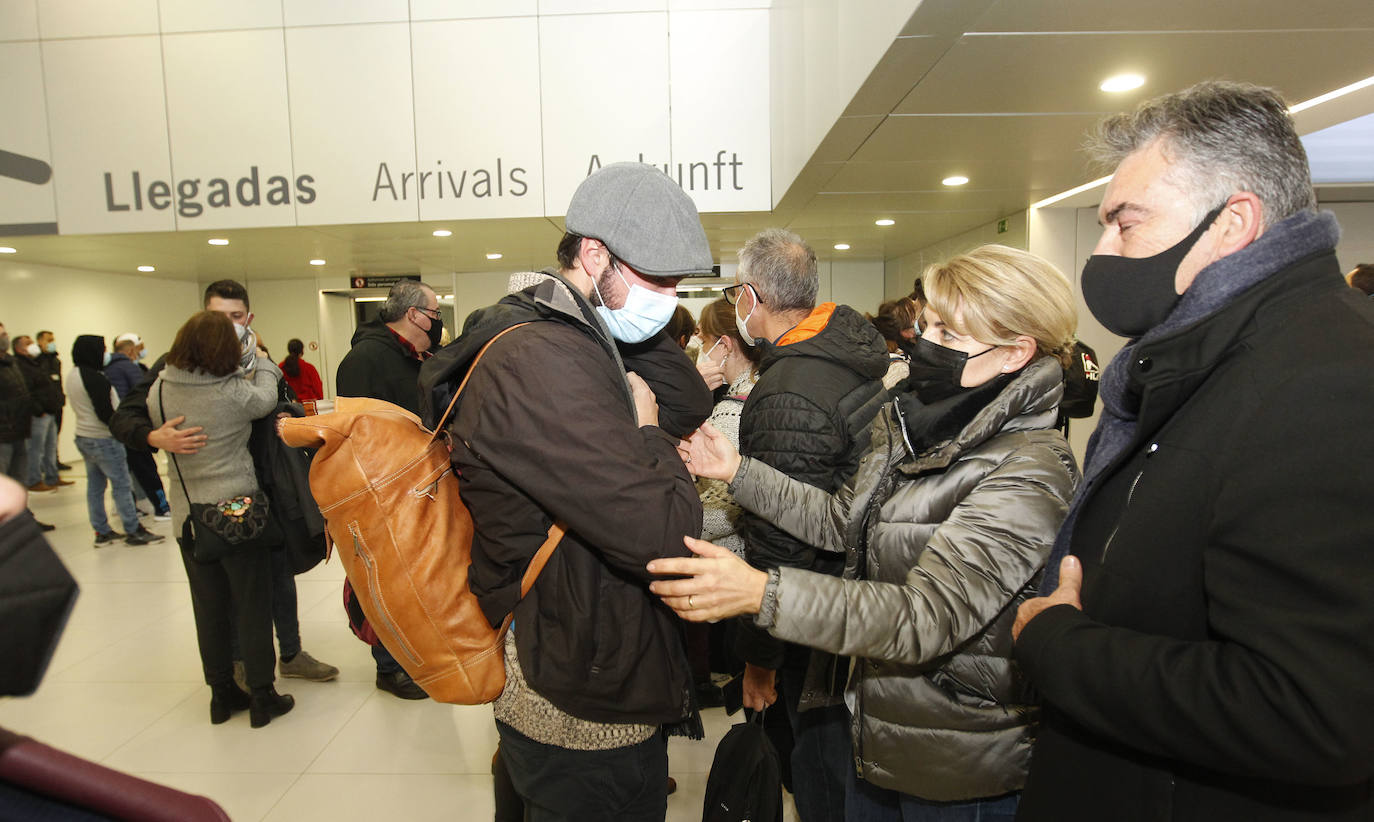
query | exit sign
(1002,226)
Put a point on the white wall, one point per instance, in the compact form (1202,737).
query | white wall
(900,272)
(70,302)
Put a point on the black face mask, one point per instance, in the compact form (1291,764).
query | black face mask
(1131,295)
(436,330)
(937,371)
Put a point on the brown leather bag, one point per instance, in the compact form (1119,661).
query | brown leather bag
(387,491)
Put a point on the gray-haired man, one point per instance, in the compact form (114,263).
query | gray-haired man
(1208,652)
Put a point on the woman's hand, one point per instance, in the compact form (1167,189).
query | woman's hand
(760,687)
(718,584)
(646,404)
(712,372)
(709,454)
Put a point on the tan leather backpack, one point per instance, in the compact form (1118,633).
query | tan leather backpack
(387,491)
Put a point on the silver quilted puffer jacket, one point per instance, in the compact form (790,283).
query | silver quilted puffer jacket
(942,547)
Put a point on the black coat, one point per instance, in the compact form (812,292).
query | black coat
(17,407)
(808,417)
(546,430)
(378,366)
(45,386)
(1222,667)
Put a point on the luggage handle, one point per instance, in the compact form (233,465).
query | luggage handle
(439,426)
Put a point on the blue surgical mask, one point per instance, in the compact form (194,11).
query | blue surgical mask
(51,348)
(644,314)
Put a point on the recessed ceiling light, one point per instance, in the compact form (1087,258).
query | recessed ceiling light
(217,241)
(494,256)
(317,262)
(1122,82)
(841,246)
(443,232)
(4,249)
(956,180)
(146,268)
(884,222)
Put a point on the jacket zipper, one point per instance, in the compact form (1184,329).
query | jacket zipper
(1129,496)
(360,549)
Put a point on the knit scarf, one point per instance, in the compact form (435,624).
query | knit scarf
(1215,287)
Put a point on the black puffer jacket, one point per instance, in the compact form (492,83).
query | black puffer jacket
(45,386)
(808,417)
(16,406)
(378,366)
(545,431)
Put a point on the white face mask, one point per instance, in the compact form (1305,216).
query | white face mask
(33,350)
(707,355)
(743,325)
(644,314)
(248,347)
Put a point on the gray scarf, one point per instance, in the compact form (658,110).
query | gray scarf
(1216,286)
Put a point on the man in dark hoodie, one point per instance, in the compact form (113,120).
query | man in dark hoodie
(384,364)
(574,419)
(820,384)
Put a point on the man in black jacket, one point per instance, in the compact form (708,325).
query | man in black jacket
(45,389)
(820,384)
(560,423)
(384,364)
(16,414)
(1208,652)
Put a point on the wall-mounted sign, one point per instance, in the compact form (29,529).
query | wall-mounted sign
(207,124)
(385,281)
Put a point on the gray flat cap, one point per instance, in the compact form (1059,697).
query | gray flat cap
(644,218)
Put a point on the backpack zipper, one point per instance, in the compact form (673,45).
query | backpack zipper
(360,549)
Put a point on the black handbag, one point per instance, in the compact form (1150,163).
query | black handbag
(36,597)
(218,529)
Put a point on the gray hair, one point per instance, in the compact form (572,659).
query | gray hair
(1220,137)
(782,267)
(402,297)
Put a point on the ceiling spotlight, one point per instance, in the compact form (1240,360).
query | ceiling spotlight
(146,268)
(317,262)
(494,256)
(956,180)
(1122,82)
(217,241)
(443,232)
(884,222)
(4,249)
(841,246)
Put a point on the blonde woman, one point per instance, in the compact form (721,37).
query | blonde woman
(946,525)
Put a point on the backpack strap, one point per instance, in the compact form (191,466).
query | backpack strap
(439,426)
(558,529)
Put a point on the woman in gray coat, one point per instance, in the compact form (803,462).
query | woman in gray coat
(204,382)
(946,525)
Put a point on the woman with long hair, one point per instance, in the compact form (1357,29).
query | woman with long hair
(946,526)
(301,375)
(203,382)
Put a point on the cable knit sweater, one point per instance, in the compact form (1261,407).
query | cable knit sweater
(718,509)
(225,407)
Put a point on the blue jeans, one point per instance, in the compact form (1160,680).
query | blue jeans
(43,450)
(820,753)
(865,802)
(284,605)
(14,460)
(105,460)
(624,784)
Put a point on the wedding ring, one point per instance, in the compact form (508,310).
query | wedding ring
(690,606)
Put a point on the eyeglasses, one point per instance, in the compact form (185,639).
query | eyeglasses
(426,311)
(731,293)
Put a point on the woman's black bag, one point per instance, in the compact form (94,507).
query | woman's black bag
(219,529)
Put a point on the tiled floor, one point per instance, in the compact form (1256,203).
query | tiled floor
(125,689)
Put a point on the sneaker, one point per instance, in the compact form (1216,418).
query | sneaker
(143,537)
(163,515)
(400,684)
(101,540)
(62,466)
(41,487)
(46,527)
(305,666)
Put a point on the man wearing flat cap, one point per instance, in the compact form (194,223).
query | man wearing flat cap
(573,418)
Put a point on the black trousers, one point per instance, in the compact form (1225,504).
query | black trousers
(228,595)
(144,471)
(561,785)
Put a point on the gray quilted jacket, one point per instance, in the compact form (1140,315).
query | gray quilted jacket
(941,549)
